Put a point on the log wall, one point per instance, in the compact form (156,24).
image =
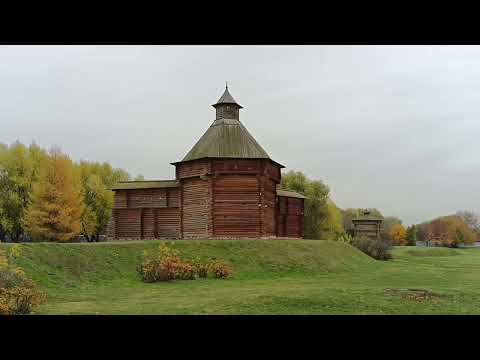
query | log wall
(196,219)
(289,217)
(268,197)
(236,209)
(145,214)
(371,229)
(215,198)
(192,169)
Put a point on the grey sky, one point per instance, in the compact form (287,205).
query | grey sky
(391,127)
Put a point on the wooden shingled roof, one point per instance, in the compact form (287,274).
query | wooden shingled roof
(153,184)
(226,98)
(226,138)
(292,194)
(367,216)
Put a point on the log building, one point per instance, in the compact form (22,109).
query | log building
(225,187)
(367,225)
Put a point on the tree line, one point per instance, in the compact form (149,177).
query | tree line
(45,196)
(324,220)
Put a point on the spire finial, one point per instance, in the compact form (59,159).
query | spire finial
(226,84)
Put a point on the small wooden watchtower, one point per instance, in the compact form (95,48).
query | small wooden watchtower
(367,225)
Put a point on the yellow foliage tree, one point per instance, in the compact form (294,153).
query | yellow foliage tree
(332,226)
(56,207)
(398,234)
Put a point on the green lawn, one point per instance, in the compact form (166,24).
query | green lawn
(271,277)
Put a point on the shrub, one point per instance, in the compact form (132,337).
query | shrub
(220,269)
(167,265)
(201,269)
(346,238)
(20,300)
(159,268)
(10,278)
(186,271)
(18,294)
(375,248)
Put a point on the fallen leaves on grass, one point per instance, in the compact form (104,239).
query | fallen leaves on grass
(414,294)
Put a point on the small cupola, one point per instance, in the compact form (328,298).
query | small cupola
(227,107)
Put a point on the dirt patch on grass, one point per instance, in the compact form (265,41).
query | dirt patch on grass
(433,252)
(414,294)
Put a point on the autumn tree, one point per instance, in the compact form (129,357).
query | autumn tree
(398,234)
(411,235)
(19,170)
(322,219)
(472,219)
(56,206)
(450,231)
(389,221)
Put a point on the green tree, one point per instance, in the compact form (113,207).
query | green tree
(332,227)
(56,206)
(411,235)
(98,204)
(96,180)
(322,219)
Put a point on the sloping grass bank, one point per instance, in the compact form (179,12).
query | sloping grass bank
(72,265)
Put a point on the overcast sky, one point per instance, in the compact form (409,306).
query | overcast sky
(391,127)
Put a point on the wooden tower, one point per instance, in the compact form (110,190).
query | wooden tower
(227,180)
(225,187)
(367,225)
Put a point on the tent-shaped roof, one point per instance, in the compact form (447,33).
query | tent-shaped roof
(226,98)
(226,138)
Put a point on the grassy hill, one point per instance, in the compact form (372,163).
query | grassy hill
(54,264)
(271,277)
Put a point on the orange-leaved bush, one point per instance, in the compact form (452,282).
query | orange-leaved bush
(220,269)
(201,268)
(18,294)
(162,265)
(166,265)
